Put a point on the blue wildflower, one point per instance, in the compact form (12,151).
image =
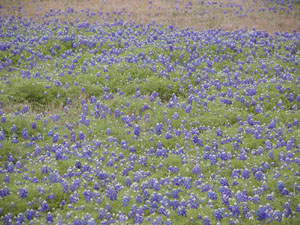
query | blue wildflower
(23,193)
(125,201)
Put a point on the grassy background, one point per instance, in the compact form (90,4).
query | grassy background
(229,15)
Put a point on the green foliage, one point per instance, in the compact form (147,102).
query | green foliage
(35,93)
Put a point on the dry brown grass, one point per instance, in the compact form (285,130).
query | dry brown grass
(166,12)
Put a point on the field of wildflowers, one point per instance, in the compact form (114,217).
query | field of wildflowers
(105,120)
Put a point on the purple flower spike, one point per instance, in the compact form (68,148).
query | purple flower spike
(44,206)
(49,218)
(125,201)
(136,130)
(23,193)
(280,185)
(29,214)
(196,170)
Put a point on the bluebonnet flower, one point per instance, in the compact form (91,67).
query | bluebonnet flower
(270,197)
(175,116)
(235,173)
(49,218)
(25,134)
(144,107)
(173,169)
(117,113)
(236,146)
(20,218)
(3,119)
(102,214)
(223,182)
(6,179)
(212,195)
(284,191)
(181,211)
(124,144)
(213,159)
(218,213)
(255,199)
(162,210)
(157,221)
(196,170)
(128,181)
(262,213)
(81,136)
(2,135)
(188,109)
(136,130)
(219,133)
(175,204)
(14,128)
(194,202)
(241,196)
(14,139)
(259,176)
(88,195)
(7,219)
(139,199)
(50,133)
(29,214)
(41,190)
(287,209)
(10,157)
(206,220)
(158,128)
(125,200)
(78,164)
(298,208)
(74,198)
(121,217)
(138,219)
(73,136)
(156,186)
(206,148)
(25,109)
(23,193)
(197,141)
(280,185)
(44,206)
(235,210)
(111,193)
(10,167)
(277,215)
(153,207)
(271,155)
(63,203)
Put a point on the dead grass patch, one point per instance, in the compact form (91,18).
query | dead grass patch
(200,14)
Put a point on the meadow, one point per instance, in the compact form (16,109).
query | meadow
(150,112)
